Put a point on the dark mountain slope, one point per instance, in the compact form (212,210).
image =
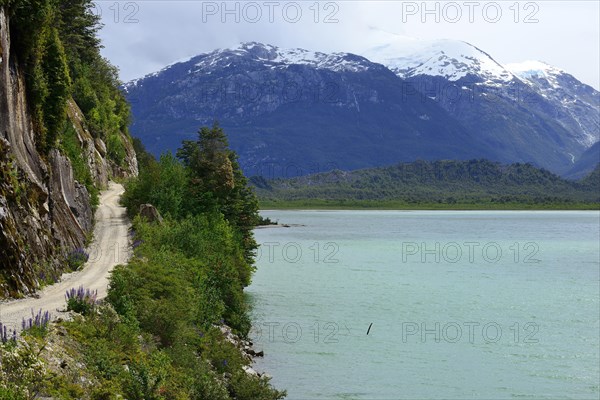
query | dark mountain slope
(292,112)
(280,116)
(586,163)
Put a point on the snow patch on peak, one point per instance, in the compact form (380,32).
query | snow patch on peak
(451,59)
(276,57)
(529,70)
(570,96)
(532,71)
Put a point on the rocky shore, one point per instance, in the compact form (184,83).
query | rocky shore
(246,349)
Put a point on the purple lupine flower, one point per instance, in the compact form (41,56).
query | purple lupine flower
(77,258)
(7,335)
(81,300)
(41,319)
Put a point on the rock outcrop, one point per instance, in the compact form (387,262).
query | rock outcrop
(44,212)
(130,166)
(150,212)
(94,150)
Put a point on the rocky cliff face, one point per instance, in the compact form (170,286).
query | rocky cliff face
(44,212)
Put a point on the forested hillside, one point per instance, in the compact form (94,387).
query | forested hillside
(439,184)
(56,46)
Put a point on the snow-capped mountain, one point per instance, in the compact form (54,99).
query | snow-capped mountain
(479,91)
(450,59)
(535,70)
(254,78)
(306,108)
(274,57)
(295,111)
(577,105)
(271,56)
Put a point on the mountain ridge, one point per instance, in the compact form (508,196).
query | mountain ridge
(266,96)
(451,59)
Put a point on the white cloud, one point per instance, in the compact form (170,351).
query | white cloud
(566,34)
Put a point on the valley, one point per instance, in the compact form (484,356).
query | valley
(435,187)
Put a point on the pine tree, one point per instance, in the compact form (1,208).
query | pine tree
(78,27)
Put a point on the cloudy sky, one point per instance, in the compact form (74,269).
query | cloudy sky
(141,37)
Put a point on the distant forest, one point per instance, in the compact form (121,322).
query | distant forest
(439,184)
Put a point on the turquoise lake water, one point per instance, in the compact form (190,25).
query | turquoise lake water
(460,304)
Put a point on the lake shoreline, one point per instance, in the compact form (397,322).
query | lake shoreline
(376,206)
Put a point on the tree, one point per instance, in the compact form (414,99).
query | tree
(209,162)
(218,183)
(58,83)
(78,29)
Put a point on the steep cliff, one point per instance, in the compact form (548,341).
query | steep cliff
(45,212)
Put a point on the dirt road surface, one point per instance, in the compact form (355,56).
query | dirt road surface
(109,248)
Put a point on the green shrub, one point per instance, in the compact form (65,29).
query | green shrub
(69,143)
(162,184)
(21,370)
(184,279)
(252,388)
(10,392)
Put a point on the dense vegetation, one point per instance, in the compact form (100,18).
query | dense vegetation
(56,45)
(206,195)
(205,179)
(159,335)
(440,184)
(190,270)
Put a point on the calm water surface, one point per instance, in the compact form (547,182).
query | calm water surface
(484,304)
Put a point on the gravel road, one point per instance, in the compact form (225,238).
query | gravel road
(110,247)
